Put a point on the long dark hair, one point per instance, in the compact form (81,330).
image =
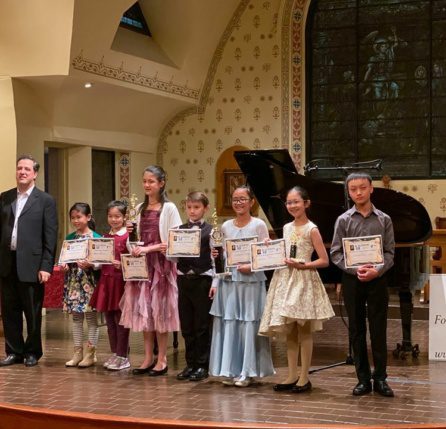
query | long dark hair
(160,174)
(85,209)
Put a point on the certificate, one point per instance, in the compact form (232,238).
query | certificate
(268,256)
(184,243)
(363,250)
(238,250)
(101,250)
(134,267)
(73,251)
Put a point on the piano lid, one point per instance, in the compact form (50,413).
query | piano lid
(271,173)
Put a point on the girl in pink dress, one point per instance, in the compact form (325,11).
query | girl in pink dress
(109,291)
(152,306)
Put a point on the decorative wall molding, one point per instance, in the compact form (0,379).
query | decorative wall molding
(124,176)
(119,73)
(293,27)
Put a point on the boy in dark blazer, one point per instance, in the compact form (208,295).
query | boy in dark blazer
(28,238)
(195,293)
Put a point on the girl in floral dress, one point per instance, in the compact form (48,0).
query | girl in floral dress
(152,306)
(297,303)
(79,286)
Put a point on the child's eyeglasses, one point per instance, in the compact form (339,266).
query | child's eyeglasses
(239,200)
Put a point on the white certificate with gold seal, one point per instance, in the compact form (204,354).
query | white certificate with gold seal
(73,251)
(134,268)
(101,250)
(238,250)
(363,251)
(268,256)
(184,243)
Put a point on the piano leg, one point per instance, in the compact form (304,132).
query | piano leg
(402,275)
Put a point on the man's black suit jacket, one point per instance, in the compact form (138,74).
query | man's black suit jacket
(36,236)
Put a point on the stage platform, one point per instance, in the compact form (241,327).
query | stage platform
(52,393)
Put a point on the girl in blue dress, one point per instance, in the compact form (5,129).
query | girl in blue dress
(237,352)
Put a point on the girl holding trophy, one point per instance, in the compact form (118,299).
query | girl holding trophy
(237,352)
(152,306)
(297,302)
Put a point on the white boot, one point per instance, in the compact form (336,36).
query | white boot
(89,357)
(77,357)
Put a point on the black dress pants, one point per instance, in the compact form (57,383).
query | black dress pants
(18,299)
(367,300)
(194,305)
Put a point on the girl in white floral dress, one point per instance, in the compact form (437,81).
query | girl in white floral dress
(297,303)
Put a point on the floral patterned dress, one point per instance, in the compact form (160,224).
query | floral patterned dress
(79,284)
(296,295)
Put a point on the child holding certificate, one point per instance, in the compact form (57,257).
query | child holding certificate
(110,289)
(297,302)
(195,293)
(237,352)
(79,285)
(152,306)
(365,287)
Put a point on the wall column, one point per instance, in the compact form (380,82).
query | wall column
(8,136)
(79,175)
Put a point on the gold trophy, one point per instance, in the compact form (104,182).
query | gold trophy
(293,248)
(133,215)
(217,243)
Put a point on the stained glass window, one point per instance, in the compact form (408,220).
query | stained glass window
(376,84)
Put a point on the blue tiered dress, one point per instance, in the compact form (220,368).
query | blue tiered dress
(237,349)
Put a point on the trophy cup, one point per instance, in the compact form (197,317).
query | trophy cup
(293,248)
(133,236)
(217,244)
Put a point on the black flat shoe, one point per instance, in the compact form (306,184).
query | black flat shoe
(156,372)
(141,371)
(199,374)
(383,388)
(185,374)
(282,387)
(362,388)
(30,360)
(301,389)
(11,360)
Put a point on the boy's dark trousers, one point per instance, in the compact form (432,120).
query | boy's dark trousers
(194,305)
(356,295)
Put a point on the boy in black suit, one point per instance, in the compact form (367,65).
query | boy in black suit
(195,293)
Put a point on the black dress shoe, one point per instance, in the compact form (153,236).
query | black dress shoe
(199,374)
(282,387)
(301,389)
(157,372)
(381,387)
(185,374)
(30,360)
(11,360)
(362,388)
(141,371)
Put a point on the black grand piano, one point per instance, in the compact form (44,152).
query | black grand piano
(271,173)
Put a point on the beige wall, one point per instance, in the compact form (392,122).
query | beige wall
(243,106)
(36,37)
(8,135)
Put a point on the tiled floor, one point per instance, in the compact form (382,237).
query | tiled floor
(420,386)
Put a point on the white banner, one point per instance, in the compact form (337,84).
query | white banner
(437,317)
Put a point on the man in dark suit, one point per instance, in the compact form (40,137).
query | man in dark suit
(28,237)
